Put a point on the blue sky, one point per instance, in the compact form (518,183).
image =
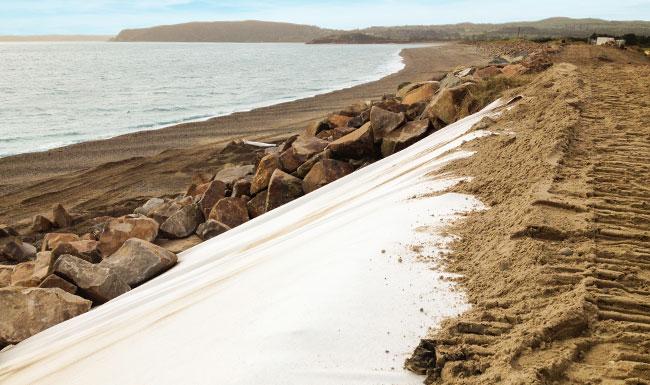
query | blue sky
(22,17)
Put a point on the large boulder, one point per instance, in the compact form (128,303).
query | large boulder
(53,281)
(230,211)
(165,210)
(183,222)
(211,229)
(95,282)
(316,127)
(422,93)
(61,217)
(85,249)
(41,224)
(23,275)
(359,144)
(149,206)
(7,231)
(5,275)
(138,261)
(257,205)
(383,122)
(19,251)
(451,104)
(118,230)
(283,188)
(325,171)
(265,169)
(52,240)
(241,188)
(301,149)
(404,136)
(304,168)
(230,174)
(215,191)
(27,311)
(338,120)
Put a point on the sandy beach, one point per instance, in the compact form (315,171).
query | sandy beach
(92,176)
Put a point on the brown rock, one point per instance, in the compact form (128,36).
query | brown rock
(118,230)
(265,169)
(23,275)
(149,206)
(61,217)
(302,149)
(317,127)
(241,187)
(360,119)
(7,231)
(257,205)
(357,145)
(5,275)
(51,240)
(211,229)
(288,160)
(283,188)
(165,210)
(383,122)
(215,191)
(43,265)
(40,224)
(404,136)
(487,72)
(183,222)
(305,167)
(451,104)
(53,281)
(230,211)
(95,282)
(422,93)
(337,120)
(179,245)
(19,251)
(27,311)
(86,250)
(138,261)
(324,172)
(230,174)
(514,70)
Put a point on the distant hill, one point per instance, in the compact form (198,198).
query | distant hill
(226,31)
(55,38)
(352,38)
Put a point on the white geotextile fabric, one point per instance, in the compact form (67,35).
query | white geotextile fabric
(301,295)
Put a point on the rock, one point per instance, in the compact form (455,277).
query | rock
(303,148)
(257,205)
(27,311)
(7,231)
(566,251)
(5,275)
(138,261)
(283,188)
(422,93)
(450,81)
(22,275)
(40,224)
(404,136)
(230,211)
(383,122)
(360,119)
(287,143)
(265,169)
(358,144)
(216,190)
(231,174)
(200,177)
(211,229)
(165,210)
(324,172)
(407,87)
(95,282)
(451,104)
(288,160)
(61,217)
(415,110)
(179,245)
(241,187)
(305,167)
(19,251)
(86,250)
(43,265)
(464,72)
(487,72)
(337,120)
(317,127)
(51,240)
(53,281)
(183,222)
(514,70)
(118,230)
(151,205)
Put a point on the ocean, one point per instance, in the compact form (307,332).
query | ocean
(55,94)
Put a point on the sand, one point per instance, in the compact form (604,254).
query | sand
(558,268)
(113,175)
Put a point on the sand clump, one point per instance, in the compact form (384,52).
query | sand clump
(557,268)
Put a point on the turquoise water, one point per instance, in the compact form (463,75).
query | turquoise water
(54,94)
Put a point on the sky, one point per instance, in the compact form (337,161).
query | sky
(108,17)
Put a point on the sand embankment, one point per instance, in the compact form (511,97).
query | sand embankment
(92,176)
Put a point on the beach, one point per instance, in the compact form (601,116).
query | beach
(93,176)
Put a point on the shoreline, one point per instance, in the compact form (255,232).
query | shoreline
(150,163)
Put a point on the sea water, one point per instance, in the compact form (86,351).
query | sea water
(55,94)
